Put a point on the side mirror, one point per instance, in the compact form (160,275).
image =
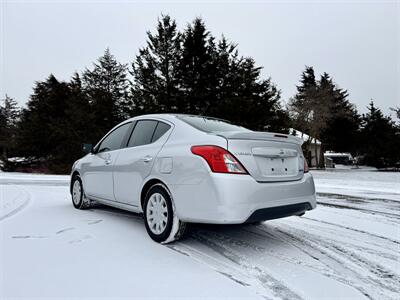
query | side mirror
(87,148)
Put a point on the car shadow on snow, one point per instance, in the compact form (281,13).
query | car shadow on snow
(196,230)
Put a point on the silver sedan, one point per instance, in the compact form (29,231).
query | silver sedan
(178,169)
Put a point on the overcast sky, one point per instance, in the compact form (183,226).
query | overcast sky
(358,43)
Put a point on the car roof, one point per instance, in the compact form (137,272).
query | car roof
(156,116)
(173,116)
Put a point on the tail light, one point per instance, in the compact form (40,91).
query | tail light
(219,159)
(306,169)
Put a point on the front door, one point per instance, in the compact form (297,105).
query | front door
(98,170)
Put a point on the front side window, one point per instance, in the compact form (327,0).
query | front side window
(113,141)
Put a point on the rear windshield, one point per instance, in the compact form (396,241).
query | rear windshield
(210,124)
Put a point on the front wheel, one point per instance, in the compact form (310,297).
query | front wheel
(79,200)
(162,225)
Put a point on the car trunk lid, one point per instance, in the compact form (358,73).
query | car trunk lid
(268,157)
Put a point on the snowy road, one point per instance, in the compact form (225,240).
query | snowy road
(347,247)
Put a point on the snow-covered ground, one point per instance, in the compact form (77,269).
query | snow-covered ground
(349,247)
(359,183)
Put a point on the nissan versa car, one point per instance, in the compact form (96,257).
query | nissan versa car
(178,169)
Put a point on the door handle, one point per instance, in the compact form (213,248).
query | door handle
(108,161)
(147,158)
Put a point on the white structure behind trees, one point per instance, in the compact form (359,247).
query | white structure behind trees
(311,147)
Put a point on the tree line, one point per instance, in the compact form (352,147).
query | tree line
(185,71)
(322,109)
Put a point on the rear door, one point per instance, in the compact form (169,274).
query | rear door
(135,162)
(268,157)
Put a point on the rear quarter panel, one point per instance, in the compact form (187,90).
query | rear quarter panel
(176,164)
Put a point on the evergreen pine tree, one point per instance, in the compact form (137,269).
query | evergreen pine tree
(322,110)
(192,73)
(42,121)
(198,68)
(396,110)
(241,96)
(226,62)
(106,87)
(380,139)
(341,133)
(9,116)
(79,122)
(251,102)
(302,105)
(59,115)
(155,70)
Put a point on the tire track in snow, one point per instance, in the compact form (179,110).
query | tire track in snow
(366,210)
(354,229)
(344,262)
(306,248)
(338,259)
(227,246)
(360,199)
(390,209)
(20,207)
(375,242)
(238,268)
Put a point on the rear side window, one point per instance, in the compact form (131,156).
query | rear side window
(142,133)
(161,129)
(210,124)
(114,139)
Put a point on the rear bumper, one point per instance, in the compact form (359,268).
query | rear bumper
(235,199)
(277,212)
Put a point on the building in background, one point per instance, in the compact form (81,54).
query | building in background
(311,147)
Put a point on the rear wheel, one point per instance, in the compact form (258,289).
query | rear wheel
(256,223)
(79,200)
(162,225)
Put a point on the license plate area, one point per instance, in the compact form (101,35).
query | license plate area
(263,159)
(276,162)
(274,166)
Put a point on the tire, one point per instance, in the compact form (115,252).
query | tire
(79,200)
(162,225)
(256,223)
